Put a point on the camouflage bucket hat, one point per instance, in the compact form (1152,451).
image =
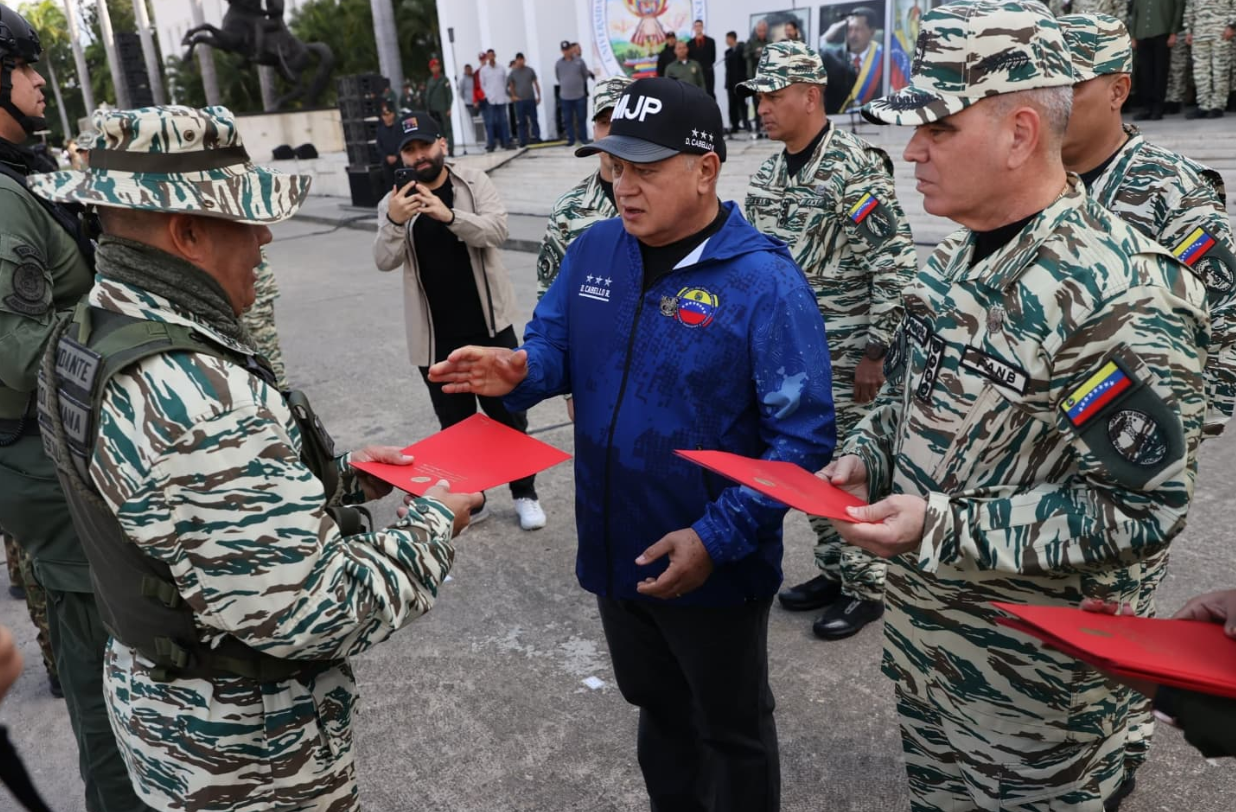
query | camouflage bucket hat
(969,50)
(175,159)
(608,93)
(781,65)
(1099,45)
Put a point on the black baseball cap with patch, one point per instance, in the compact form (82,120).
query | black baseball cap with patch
(655,119)
(562,46)
(418,126)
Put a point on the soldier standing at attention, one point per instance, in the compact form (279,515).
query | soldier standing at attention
(1037,442)
(830,196)
(1208,25)
(685,69)
(158,414)
(440,101)
(46,264)
(1174,201)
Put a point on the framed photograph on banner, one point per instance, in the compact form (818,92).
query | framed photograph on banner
(854,32)
(783,24)
(904,35)
(629,34)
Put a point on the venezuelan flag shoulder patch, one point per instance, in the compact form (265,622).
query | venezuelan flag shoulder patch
(865,206)
(1194,247)
(1087,400)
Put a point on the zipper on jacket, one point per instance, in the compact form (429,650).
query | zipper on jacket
(609,445)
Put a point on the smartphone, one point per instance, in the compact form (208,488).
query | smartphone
(403,177)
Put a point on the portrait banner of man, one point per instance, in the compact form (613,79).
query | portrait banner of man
(854,32)
(786,24)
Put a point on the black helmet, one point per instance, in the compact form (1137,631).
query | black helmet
(18,40)
(17,37)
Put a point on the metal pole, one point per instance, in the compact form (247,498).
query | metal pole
(205,58)
(113,59)
(458,94)
(387,37)
(79,56)
(148,50)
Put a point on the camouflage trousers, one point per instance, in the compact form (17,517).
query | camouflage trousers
(955,768)
(21,573)
(1212,73)
(259,320)
(861,574)
(1179,73)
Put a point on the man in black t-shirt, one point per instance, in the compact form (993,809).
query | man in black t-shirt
(445,230)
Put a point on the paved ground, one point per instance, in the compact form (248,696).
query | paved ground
(481,706)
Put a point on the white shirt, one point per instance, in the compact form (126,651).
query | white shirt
(493,83)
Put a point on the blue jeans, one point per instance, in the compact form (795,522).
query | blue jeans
(574,125)
(495,125)
(525,114)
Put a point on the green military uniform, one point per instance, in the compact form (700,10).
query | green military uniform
(577,210)
(259,321)
(1205,21)
(44,272)
(438,101)
(164,463)
(1181,205)
(846,230)
(21,574)
(689,72)
(1054,439)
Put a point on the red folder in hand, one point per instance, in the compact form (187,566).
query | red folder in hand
(783,481)
(1186,654)
(474,455)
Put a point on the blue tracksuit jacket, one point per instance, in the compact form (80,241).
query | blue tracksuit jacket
(725,352)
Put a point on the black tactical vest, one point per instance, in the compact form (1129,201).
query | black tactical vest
(137,595)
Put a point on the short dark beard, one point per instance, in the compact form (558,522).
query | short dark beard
(435,169)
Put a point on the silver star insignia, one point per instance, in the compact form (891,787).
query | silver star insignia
(608,281)
(590,277)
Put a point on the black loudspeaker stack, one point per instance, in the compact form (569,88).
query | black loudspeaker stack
(360,100)
(133,66)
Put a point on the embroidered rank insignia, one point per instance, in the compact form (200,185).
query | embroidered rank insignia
(865,206)
(1100,389)
(1194,247)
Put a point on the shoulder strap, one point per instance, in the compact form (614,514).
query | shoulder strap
(66,220)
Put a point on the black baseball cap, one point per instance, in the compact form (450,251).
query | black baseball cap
(418,126)
(655,119)
(566,43)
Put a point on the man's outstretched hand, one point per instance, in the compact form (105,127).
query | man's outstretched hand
(488,371)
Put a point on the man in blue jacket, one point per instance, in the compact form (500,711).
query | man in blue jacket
(677,326)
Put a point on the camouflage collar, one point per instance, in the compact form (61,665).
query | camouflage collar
(1005,266)
(132,301)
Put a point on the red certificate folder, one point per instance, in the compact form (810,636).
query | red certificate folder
(474,455)
(783,481)
(1182,653)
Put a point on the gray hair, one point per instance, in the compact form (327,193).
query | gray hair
(1054,104)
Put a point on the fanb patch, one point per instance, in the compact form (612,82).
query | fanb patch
(29,296)
(872,217)
(1129,429)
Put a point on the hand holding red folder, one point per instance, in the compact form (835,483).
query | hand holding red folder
(474,455)
(783,481)
(1185,654)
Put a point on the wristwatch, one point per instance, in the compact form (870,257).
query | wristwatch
(876,350)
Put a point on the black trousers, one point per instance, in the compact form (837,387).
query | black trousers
(699,676)
(1154,61)
(738,110)
(452,409)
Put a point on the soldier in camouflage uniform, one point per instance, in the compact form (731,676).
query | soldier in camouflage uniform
(1176,202)
(1179,74)
(589,202)
(1208,25)
(259,321)
(45,270)
(1037,440)
(21,577)
(1114,8)
(190,469)
(830,196)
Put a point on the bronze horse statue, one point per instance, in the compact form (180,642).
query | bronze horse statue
(257,32)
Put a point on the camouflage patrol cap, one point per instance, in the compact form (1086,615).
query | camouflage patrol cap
(781,65)
(175,159)
(1099,45)
(607,94)
(972,49)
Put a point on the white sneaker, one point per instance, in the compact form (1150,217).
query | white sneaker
(531,517)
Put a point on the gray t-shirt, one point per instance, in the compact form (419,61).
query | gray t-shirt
(523,78)
(572,78)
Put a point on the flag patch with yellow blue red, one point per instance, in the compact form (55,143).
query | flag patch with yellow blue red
(1099,389)
(865,206)
(1194,247)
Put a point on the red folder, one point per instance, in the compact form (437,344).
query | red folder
(783,481)
(474,455)
(1186,654)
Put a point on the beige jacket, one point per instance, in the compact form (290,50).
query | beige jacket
(480,221)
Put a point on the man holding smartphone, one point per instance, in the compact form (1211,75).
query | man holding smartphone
(444,224)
